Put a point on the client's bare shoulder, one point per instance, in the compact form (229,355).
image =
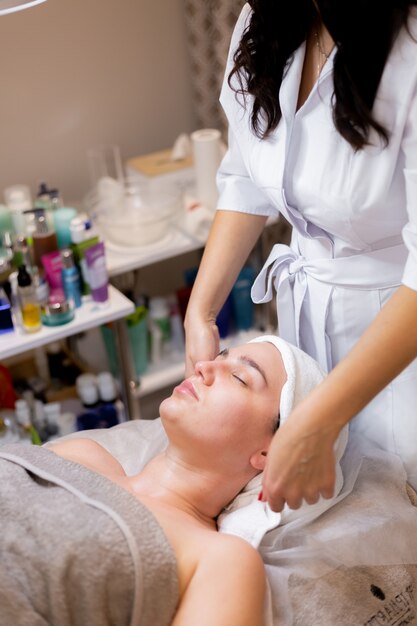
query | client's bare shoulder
(229,572)
(89,453)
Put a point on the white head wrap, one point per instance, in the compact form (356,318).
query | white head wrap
(246,516)
(303,374)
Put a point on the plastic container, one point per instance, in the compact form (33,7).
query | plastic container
(62,218)
(137,328)
(71,282)
(243,307)
(6,221)
(18,199)
(224,318)
(57,313)
(97,272)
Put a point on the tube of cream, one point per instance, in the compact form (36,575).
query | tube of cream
(97,272)
(52,263)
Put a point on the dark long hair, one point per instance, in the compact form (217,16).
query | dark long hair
(363,31)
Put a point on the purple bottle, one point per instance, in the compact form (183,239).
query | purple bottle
(97,272)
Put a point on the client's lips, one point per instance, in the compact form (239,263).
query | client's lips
(187,387)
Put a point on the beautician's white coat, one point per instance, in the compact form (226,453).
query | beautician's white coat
(354,218)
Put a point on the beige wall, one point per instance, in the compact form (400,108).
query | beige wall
(78,73)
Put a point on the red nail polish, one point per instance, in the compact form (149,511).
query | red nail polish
(260,496)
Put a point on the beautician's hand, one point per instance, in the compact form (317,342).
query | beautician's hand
(202,342)
(300,464)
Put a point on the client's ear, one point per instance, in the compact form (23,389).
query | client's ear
(258,460)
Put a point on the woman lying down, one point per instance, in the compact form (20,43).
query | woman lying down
(84,543)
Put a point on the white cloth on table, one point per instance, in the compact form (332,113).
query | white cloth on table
(354,219)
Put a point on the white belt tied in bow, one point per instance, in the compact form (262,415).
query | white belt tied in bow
(291,274)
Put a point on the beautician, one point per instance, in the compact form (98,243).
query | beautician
(321,102)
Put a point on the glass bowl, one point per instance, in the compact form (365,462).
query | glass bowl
(130,214)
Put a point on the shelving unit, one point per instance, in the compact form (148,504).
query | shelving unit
(88,316)
(179,240)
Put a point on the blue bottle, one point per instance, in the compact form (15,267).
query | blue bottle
(71,282)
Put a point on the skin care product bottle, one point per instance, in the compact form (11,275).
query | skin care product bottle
(97,272)
(29,307)
(71,278)
(44,240)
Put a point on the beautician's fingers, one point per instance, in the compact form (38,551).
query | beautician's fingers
(300,466)
(202,344)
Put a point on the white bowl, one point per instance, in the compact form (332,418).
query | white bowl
(136,217)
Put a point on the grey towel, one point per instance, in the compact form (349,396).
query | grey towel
(76,549)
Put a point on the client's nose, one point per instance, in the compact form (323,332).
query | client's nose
(205,370)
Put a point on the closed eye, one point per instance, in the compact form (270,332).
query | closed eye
(240,379)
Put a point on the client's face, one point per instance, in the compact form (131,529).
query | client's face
(229,407)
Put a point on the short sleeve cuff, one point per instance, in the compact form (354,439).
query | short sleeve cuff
(240,194)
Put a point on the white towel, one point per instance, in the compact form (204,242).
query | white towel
(246,516)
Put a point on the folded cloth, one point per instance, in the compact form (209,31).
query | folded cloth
(245,516)
(78,549)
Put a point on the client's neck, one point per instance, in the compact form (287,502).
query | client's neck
(199,493)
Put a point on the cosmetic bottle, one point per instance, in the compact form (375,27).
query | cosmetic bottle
(56,199)
(14,301)
(22,253)
(6,222)
(43,200)
(9,431)
(137,328)
(6,321)
(88,393)
(41,287)
(177,328)
(23,418)
(159,326)
(29,307)
(49,200)
(108,396)
(71,278)
(97,272)
(18,199)
(242,304)
(83,236)
(44,240)
(62,218)
(7,245)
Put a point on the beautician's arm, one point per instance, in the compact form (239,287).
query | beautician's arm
(227,588)
(300,460)
(231,239)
